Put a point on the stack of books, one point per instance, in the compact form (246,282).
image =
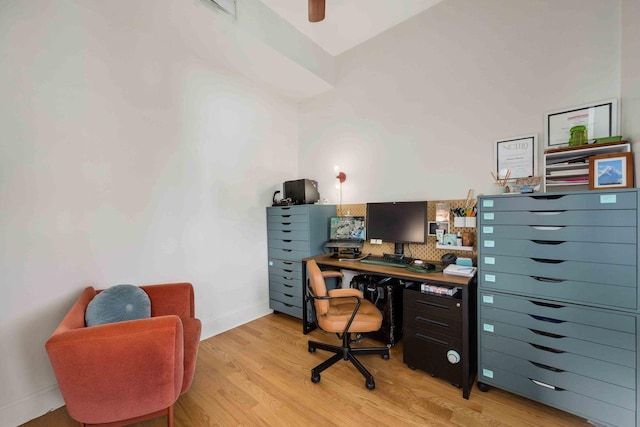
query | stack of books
(460,270)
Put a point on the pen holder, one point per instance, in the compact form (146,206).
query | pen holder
(464,221)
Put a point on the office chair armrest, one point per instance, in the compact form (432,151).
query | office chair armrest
(348,294)
(345,292)
(332,273)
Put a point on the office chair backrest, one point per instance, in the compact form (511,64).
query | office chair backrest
(318,288)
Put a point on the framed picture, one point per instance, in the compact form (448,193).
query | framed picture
(611,171)
(437,225)
(515,157)
(600,119)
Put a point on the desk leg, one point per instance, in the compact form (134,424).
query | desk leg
(306,325)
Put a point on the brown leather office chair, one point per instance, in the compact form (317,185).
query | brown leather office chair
(343,311)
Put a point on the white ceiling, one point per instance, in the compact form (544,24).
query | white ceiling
(348,23)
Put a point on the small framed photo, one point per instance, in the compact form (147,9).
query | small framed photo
(438,225)
(611,171)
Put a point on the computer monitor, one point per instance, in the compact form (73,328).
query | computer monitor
(346,228)
(397,222)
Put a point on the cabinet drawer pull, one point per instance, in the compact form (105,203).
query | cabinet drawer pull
(554,197)
(286,216)
(546,279)
(546,228)
(547,242)
(288,271)
(549,386)
(548,261)
(286,223)
(433,322)
(287,262)
(287,305)
(287,278)
(435,340)
(286,231)
(288,250)
(287,286)
(546,304)
(547,367)
(287,295)
(287,241)
(546,334)
(546,319)
(549,349)
(432,304)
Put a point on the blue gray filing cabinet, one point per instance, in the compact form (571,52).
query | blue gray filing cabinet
(558,302)
(293,233)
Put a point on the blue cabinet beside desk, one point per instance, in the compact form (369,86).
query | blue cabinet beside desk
(558,303)
(293,233)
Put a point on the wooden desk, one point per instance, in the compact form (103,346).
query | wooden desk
(467,301)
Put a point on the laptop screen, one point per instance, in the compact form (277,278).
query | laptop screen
(347,227)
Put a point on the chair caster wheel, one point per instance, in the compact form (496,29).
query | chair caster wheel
(312,349)
(385,356)
(483,387)
(370,385)
(315,378)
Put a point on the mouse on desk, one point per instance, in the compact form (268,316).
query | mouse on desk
(428,266)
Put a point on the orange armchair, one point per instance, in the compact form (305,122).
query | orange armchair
(120,373)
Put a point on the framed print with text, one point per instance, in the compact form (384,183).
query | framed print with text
(517,155)
(600,119)
(611,171)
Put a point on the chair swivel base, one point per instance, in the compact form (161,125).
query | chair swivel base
(346,352)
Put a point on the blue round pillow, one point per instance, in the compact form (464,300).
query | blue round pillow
(117,304)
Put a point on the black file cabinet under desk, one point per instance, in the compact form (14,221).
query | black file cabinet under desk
(439,333)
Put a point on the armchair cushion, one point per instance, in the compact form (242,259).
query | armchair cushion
(117,304)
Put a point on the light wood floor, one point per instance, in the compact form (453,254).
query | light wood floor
(258,374)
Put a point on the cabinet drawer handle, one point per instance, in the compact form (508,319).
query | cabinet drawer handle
(554,197)
(547,280)
(549,386)
(547,242)
(287,278)
(546,319)
(433,322)
(546,304)
(547,213)
(287,295)
(288,250)
(287,262)
(286,231)
(286,223)
(548,261)
(432,304)
(288,271)
(547,367)
(549,349)
(546,228)
(287,241)
(287,286)
(435,340)
(287,305)
(546,334)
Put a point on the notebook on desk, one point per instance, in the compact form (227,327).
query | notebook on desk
(346,232)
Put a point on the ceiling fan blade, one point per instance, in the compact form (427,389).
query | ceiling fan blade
(316,10)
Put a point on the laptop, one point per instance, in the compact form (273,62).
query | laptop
(346,232)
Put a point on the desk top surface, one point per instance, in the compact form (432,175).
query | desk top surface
(327,260)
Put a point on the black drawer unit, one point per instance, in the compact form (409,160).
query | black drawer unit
(439,333)
(558,303)
(293,233)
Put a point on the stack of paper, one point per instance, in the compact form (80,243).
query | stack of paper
(460,270)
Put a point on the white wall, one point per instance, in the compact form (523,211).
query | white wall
(416,110)
(630,105)
(124,158)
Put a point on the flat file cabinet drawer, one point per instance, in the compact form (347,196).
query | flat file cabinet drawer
(287,254)
(288,235)
(285,225)
(286,299)
(579,201)
(296,245)
(285,268)
(607,274)
(286,286)
(572,401)
(567,290)
(285,308)
(608,253)
(603,326)
(621,218)
(443,306)
(602,370)
(572,233)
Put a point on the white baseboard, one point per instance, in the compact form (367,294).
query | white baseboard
(33,406)
(46,400)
